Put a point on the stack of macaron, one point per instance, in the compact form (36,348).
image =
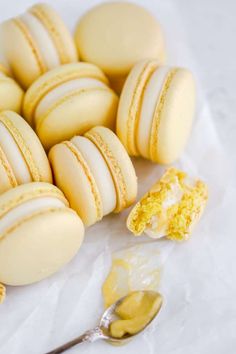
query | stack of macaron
(80,123)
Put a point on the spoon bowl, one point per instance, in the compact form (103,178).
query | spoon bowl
(110,315)
(103,330)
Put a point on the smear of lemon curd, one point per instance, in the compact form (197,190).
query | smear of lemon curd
(133,271)
(135,312)
(130,271)
(116,284)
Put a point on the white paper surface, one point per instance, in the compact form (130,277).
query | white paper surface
(198,278)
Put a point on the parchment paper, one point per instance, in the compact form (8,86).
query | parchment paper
(198,276)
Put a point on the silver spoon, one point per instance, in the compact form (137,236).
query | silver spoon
(102,331)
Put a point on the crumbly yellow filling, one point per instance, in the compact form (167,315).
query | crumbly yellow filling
(2,293)
(151,205)
(183,215)
(176,219)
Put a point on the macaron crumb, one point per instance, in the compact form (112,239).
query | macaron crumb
(2,293)
(171,207)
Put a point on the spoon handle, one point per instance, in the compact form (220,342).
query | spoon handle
(89,336)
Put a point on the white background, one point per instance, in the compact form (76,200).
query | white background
(199,279)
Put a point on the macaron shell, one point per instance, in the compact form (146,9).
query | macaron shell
(42,40)
(176,114)
(83,109)
(58,31)
(6,183)
(81,196)
(39,245)
(4,70)
(7,177)
(11,95)
(12,145)
(26,192)
(3,67)
(29,64)
(120,165)
(54,78)
(117,83)
(130,26)
(63,91)
(31,147)
(152,100)
(130,104)
(100,172)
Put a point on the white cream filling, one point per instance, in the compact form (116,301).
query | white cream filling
(100,171)
(150,99)
(190,181)
(14,156)
(42,39)
(153,230)
(174,196)
(25,209)
(59,92)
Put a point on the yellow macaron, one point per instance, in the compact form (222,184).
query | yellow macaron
(4,65)
(22,157)
(39,233)
(2,293)
(116,35)
(11,94)
(156,111)
(171,208)
(36,42)
(69,100)
(95,173)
